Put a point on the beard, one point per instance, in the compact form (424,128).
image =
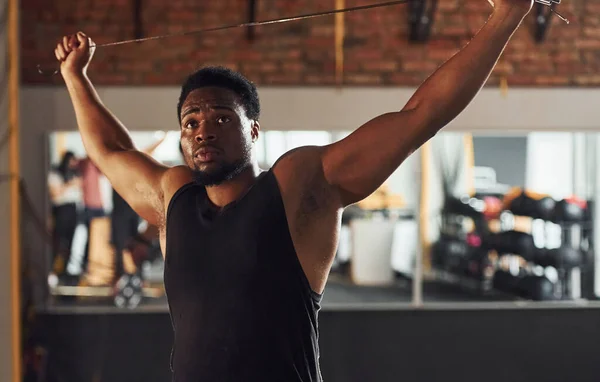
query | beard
(223,173)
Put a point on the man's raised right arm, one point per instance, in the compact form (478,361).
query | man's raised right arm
(136,176)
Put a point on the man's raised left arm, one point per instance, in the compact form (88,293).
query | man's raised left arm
(357,165)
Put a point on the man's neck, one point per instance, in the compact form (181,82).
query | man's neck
(230,191)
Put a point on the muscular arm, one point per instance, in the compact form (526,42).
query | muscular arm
(138,178)
(133,174)
(360,163)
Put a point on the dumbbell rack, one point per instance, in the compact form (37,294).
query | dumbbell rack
(470,270)
(576,236)
(574,239)
(530,265)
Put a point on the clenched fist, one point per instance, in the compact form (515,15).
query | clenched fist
(74,53)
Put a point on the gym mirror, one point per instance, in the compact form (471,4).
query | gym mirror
(497,218)
(510,217)
(97,237)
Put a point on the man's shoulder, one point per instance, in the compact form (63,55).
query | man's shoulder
(173,179)
(305,157)
(302,180)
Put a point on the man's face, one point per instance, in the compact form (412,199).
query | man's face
(216,135)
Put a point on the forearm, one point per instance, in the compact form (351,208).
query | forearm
(452,87)
(101,131)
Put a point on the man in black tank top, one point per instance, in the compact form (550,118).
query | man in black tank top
(247,252)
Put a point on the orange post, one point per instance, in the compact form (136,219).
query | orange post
(14,170)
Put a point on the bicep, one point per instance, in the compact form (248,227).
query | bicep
(137,178)
(361,162)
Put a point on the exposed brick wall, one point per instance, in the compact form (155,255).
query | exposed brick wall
(377,51)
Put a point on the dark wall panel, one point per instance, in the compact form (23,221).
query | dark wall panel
(357,346)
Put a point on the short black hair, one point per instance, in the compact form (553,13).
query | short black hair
(221,77)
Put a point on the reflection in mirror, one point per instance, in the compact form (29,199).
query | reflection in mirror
(101,248)
(104,253)
(511,217)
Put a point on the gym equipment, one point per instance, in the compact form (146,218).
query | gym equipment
(457,206)
(570,260)
(477,265)
(515,242)
(129,292)
(448,253)
(458,257)
(540,207)
(535,287)
(565,257)
(505,282)
(492,207)
(543,208)
(459,250)
(569,211)
(532,287)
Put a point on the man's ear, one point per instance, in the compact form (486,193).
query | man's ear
(254,129)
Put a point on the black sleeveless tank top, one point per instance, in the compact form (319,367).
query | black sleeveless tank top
(241,306)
